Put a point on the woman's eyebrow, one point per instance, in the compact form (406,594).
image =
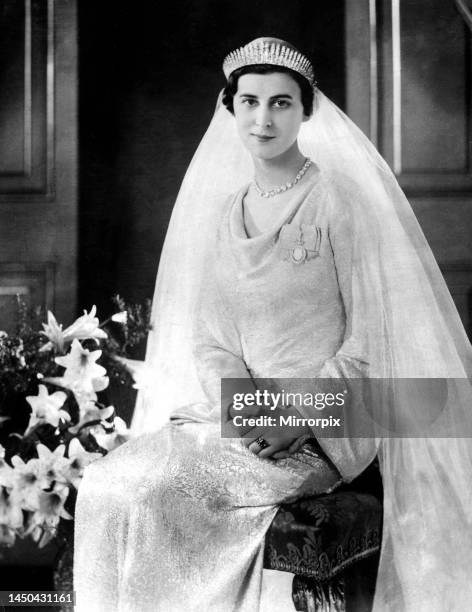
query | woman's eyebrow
(276,96)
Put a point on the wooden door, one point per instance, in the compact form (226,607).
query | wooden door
(38,156)
(409,88)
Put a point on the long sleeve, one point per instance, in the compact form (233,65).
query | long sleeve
(351,359)
(349,454)
(217,348)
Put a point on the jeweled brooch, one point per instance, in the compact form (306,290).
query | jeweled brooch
(300,243)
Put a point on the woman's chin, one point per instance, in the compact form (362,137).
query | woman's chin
(265,153)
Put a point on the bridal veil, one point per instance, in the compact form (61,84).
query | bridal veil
(405,320)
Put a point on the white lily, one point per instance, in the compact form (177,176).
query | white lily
(6,473)
(44,521)
(81,367)
(90,412)
(120,317)
(139,370)
(50,466)
(114,439)
(86,327)
(79,458)
(83,376)
(11,517)
(29,480)
(46,408)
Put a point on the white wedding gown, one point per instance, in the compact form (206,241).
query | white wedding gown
(175,519)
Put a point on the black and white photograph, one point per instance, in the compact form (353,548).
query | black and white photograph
(236,306)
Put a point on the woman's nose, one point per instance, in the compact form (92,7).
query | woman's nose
(263,117)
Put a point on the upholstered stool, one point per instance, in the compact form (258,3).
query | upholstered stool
(331,543)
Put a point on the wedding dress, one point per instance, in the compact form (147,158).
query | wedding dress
(175,519)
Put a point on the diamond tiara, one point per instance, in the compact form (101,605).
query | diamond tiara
(271,51)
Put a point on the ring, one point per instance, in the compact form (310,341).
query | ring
(261,443)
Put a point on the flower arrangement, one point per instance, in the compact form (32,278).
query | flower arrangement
(54,417)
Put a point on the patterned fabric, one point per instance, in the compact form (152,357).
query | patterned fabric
(311,596)
(321,536)
(176,519)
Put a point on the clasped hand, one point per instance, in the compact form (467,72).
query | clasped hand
(281,441)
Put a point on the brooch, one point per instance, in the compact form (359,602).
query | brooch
(299,252)
(300,243)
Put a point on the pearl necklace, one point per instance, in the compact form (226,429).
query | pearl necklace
(273,192)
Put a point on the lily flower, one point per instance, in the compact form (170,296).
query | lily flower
(53,331)
(114,439)
(83,376)
(81,366)
(29,480)
(46,408)
(79,458)
(120,317)
(11,518)
(6,472)
(90,412)
(83,398)
(139,370)
(49,467)
(44,521)
(86,327)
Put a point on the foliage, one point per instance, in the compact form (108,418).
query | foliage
(54,419)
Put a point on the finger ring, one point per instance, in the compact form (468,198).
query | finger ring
(262,444)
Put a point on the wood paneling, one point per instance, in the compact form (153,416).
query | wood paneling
(33,282)
(27,99)
(409,87)
(38,155)
(416,87)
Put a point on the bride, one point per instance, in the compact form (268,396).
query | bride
(314,269)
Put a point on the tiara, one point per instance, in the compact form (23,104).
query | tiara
(271,51)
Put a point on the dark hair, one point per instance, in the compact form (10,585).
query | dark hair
(306,90)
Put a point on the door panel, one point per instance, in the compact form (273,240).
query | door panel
(409,89)
(38,155)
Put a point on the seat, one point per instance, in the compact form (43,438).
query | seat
(331,543)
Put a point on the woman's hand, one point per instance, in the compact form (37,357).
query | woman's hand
(281,441)
(246,412)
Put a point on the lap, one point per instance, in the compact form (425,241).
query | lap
(193,460)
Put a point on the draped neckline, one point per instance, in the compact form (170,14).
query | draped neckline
(237,224)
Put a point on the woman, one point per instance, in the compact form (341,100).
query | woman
(315,269)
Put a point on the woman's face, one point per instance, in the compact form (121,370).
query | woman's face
(268,111)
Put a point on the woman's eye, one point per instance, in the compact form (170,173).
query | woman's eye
(249,102)
(281,103)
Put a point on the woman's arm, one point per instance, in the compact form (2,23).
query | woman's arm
(350,454)
(217,348)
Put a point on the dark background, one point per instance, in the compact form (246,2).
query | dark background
(149,76)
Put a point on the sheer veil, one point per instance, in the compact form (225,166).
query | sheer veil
(405,320)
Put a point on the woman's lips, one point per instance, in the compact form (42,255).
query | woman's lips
(261,138)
